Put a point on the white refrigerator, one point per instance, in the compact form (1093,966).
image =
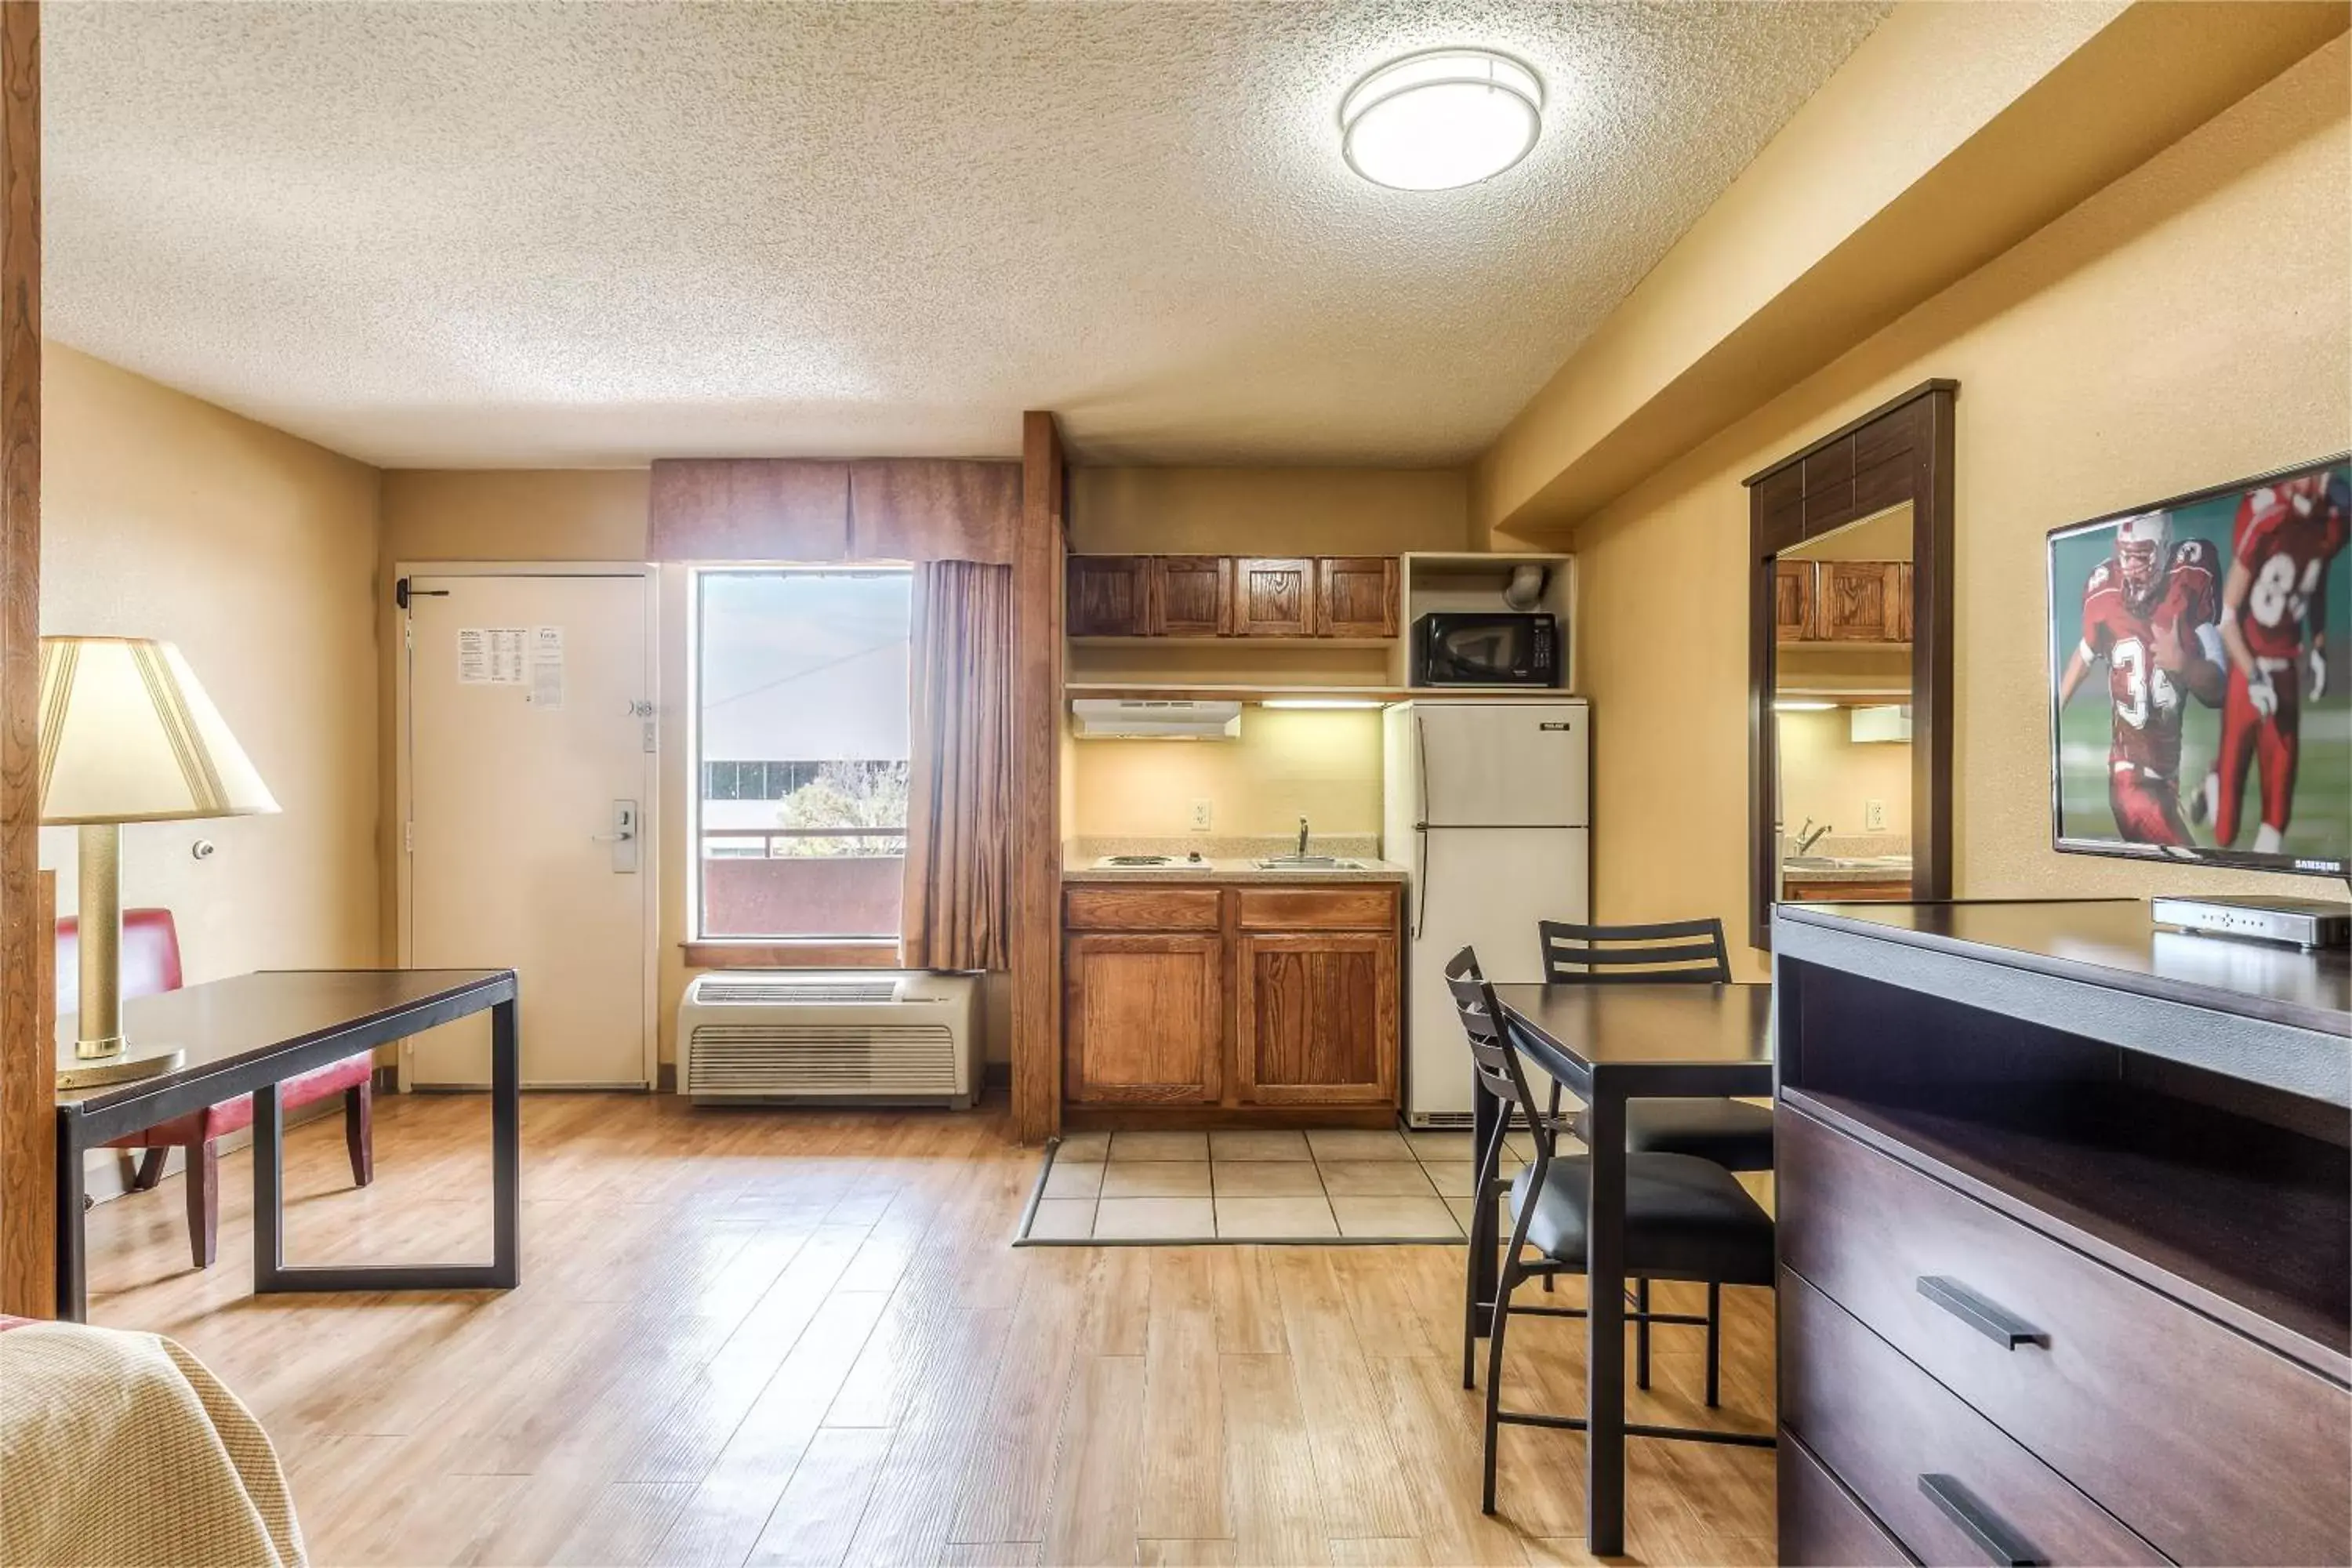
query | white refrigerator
(1486,803)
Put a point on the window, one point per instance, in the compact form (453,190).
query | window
(800,745)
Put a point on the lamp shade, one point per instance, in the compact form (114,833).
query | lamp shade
(127,734)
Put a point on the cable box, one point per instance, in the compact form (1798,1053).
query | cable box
(2300,922)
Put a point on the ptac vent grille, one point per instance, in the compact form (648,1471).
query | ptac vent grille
(829,1058)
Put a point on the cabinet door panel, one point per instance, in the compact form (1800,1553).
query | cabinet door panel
(1194,595)
(1857,600)
(1793,600)
(1107,596)
(1273,597)
(1317,1017)
(1356,596)
(1144,1018)
(1898,612)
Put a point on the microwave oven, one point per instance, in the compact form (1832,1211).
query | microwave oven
(1501,648)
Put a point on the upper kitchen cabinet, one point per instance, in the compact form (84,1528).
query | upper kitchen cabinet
(1331,597)
(1840,601)
(1108,595)
(1195,595)
(1356,596)
(1793,600)
(1274,596)
(1862,601)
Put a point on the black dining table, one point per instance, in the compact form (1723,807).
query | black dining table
(1608,1044)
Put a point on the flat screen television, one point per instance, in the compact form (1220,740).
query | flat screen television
(2200,676)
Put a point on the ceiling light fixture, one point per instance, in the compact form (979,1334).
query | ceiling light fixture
(1441,118)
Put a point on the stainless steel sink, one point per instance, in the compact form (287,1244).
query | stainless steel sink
(1307,863)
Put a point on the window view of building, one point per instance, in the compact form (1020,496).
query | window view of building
(801,746)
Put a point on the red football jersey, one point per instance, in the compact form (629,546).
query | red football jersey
(2286,534)
(2146,700)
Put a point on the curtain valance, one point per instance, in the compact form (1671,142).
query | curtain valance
(799,508)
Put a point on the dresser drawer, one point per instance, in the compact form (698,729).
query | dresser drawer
(1137,907)
(1820,1524)
(1892,1434)
(1360,908)
(2208,1444)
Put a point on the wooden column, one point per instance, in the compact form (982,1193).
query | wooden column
(1036,944)
(27,1062)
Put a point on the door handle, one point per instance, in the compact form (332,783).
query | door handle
(1988,1529)
(2000,1326)
(624,836)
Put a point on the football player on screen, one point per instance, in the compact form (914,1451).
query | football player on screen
(2286,538)
(2148,613)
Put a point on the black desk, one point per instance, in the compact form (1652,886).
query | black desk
(1609,1044)
(248,1035)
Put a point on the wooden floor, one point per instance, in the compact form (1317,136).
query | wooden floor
(800,1337)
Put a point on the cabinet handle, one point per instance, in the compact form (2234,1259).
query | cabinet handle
(2000,1327)
(1981,1524)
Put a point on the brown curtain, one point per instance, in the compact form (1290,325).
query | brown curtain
(959,800)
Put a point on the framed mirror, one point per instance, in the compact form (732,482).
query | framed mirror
(1850,662)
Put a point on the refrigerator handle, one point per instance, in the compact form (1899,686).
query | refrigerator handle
(1420,829)
(1419,877)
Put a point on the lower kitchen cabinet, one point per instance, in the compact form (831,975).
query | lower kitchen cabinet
(1243,995)
(1315,1015)
(1143,1018)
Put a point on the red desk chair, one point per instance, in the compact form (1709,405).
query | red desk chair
(151,962)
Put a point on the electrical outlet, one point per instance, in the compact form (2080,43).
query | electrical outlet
(1199,816)
(1874,816)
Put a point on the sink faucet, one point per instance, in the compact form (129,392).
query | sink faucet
(1302,838)
(1807,836)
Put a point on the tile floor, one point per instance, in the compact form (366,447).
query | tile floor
(1258,1185)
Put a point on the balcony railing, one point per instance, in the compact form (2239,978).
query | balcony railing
(755,886)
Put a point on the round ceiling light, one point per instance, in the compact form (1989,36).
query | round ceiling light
(1443,118)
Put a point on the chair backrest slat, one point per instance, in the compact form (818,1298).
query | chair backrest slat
(1579,954)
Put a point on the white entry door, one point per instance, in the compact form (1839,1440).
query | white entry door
(530,774)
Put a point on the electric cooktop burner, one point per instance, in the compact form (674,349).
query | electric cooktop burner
(1147,861)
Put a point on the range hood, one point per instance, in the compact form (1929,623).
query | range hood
(1101,719)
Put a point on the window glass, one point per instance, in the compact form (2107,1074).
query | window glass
(801,734)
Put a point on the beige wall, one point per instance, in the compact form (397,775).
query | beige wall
(1268,512)
(2190,323)
(1824,776)
(1322,764)
(164,516)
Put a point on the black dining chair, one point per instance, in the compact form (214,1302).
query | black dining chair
(1731,1133)
(1686,1218)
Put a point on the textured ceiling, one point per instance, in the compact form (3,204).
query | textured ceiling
(591,234)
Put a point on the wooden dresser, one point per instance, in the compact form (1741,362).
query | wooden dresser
(2065,1219)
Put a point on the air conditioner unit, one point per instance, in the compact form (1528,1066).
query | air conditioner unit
(802,1037)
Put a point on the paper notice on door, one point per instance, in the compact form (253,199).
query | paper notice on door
(490,656)
(547,666)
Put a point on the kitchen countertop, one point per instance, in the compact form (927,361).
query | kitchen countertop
(1887,870)
(1231,870)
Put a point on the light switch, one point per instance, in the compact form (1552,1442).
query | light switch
(1201,815)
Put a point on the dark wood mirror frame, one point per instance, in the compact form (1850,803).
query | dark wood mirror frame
(1900,451)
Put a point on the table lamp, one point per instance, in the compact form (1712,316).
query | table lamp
(127,734)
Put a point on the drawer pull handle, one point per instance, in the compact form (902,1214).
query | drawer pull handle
(1979,1314)
(1981,1524)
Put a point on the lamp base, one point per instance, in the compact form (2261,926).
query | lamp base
(128,1065)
